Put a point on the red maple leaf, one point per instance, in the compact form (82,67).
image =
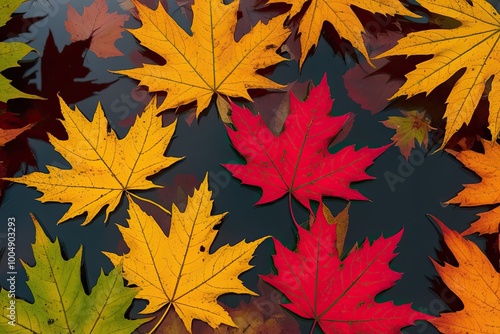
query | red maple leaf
(297,161)
(339,294)
(97,23)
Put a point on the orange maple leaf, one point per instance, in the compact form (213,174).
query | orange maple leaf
(487,166)
(7,135)
(475,281)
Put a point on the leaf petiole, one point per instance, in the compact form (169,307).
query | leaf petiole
(313,326)
(161,319)
(291,208)
(150,202)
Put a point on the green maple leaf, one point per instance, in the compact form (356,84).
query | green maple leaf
(61,304)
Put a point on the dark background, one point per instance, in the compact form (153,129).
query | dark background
(430,180)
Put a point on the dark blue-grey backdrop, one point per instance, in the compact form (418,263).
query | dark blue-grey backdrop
(428,181)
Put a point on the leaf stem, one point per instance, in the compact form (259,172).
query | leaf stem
(150,202)
(313,326)
(291,209)
(161,319)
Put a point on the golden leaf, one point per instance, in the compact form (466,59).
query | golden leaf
(210,60)
(103,166)
(473,46)
(179,270)
(340,14)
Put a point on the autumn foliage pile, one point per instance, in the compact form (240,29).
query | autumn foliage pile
(442,73)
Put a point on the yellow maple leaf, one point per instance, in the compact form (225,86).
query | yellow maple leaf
(476,282)
(340,14)
(487,166)
(473,46)
(103,166)
(210,60)
(178,270)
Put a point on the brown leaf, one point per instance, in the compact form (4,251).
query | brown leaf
(342,222)
(97,23)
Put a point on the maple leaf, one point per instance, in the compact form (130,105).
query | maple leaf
(98,24)
(261,315)
(486,165)
(6,135)
(250,12)
(347,287)
(61,304)
(10,54)
(44,114)
(208,61)
(475,281)
(103,166)
(178,270)
(409,128)
(471,46)
(341,16)
(176,193)
(360,79)
(297,161)
(69,81)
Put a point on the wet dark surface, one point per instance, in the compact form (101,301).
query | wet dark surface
(425,182)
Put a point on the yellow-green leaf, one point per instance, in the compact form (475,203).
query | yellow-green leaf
(60,302)
(178,270)
(103,166)
(10,54)
(409,128)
